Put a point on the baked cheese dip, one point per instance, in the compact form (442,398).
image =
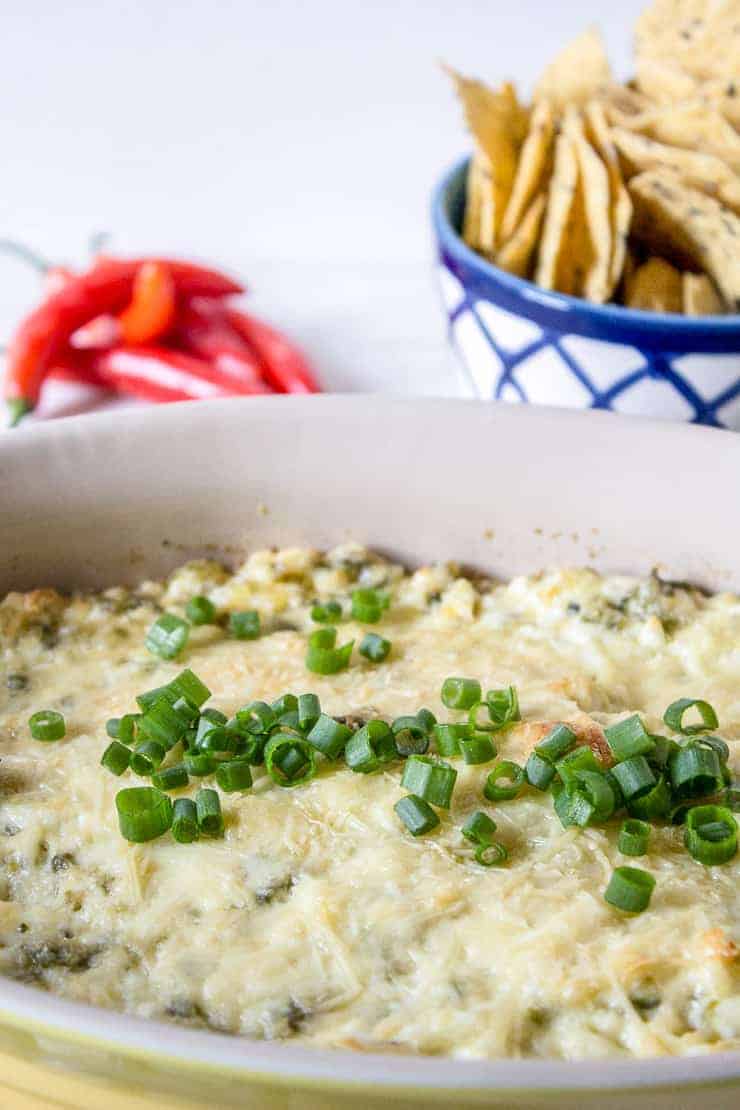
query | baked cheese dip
(371,808)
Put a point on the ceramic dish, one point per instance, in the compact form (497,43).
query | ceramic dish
(115,497)
(522,344)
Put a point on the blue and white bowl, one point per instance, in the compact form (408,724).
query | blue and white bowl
(520,343)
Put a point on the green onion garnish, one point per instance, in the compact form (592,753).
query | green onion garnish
(634,837)
(558,742)
(629,738)
(219,739)
(478,748)
(322,656)
(47,725)
(634,777)
(491,855)
(374,647)
(572,806)
(329,736)
(116,757)
(199,764)
(162,723)
(597,789)
(711,834)
(630,889)
(289,759)
(246,625)
(426,720)
(513,781)
(286,703)
(540,772)
(171,778)
(448,738)
(185,821)
(147,757)
(199,610)
(479,828)
(416,814)
(309,711)
(167,636)
(256,717)
(411,736)
(460,693)
(676,712)
(208,809)
(695,770)
(330,612)
(503,706)
(369,747)
(144,813)
(234,774)
(430,779)
(368,605)
(113,727)
(717,744)
(653,804)
(582,759)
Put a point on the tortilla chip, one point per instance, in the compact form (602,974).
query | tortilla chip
(495,122)
(578,72)
(594,184)
(531,171)
(700,298)
(701,37)
(690,227)
(561,198)
(597,130)
(703,171)
(655,286)
(517,252)
(694,125)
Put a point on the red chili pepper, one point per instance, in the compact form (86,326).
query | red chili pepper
(157,374)
(56,277)
(153,302)
(204,330)
(41,339)
(283,365)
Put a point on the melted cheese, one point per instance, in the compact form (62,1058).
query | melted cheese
(318,917)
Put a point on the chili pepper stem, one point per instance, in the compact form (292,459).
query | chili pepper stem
(18,407)
(27,254)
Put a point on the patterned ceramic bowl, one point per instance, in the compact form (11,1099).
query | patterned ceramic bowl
(520,343)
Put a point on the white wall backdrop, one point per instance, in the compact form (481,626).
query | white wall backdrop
(295,143)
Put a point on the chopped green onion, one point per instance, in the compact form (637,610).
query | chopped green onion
(113,727)
(655,803)
(208,809)
(219,739)
(491,855)
(368,605)
(426,720)
(162,723)
(732,797)
(374,647)
(630,889)
(513,781)
(171,778)
(416,814)
(540,772)
(289,759)
(582,759)
(629,738)
(411,737)
(695,770)
(370,746)
(329,736)
(558,742)
(309,711)
(503,706)
(186,710)
(289,721)
(329,612)
(234,774)
(246,625)
(663,750)
(634,838)
(448,738)
(460,693)
(635,777)
(199,764)
(116,757)
(167,636)
(287,703)
(717,744)
(147,757)
(479,828)
(676,712)
(479,718)
(429,779)
(572,806)
(47,725)
(188,685)
(711,834)
(478,748)
(322,656)
(185,821)
(144,813)
(597,788)
(256,717)
(199,610)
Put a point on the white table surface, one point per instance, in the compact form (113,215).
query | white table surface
(295,144)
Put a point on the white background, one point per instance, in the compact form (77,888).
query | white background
(296,144)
